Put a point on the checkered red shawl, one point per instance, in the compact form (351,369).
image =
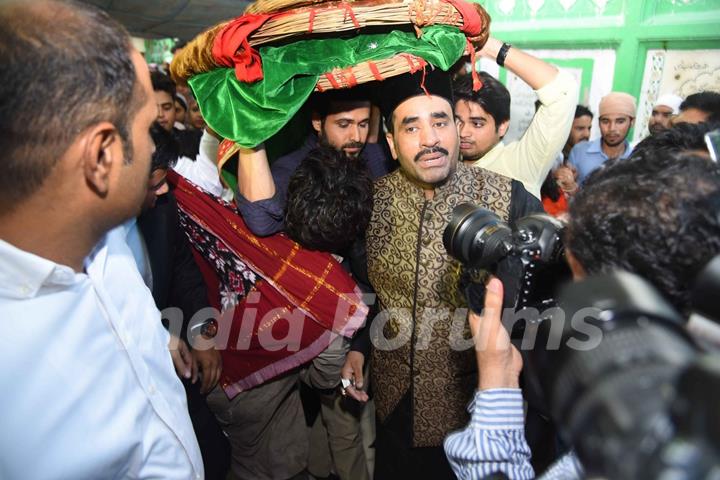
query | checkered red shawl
(300,295)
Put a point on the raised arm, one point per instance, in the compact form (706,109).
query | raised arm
(255,181)
(494,440)
(258,201)
(531,70)
(533,155)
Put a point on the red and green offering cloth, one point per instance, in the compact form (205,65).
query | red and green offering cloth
(248,113)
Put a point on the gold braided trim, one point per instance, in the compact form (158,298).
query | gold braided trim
(316,288)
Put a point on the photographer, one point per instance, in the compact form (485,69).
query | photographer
(494,441)
(659,220)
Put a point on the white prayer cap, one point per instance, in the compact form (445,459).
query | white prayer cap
(670,100)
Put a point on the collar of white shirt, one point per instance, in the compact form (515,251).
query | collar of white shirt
(22,273)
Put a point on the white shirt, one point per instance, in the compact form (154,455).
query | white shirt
(203,171)
(88,386)
(138,247)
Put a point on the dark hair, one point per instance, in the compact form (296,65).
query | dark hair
(188,142)
(167,149)
(550,188)
(329,201)
(708,102)
(389,127)
(65,67)
(662,224)
(493,97)
(683,137)
(163,83)
(582,111)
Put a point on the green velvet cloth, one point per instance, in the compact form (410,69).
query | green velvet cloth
(250,113)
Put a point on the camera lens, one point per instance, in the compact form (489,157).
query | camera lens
(476,236)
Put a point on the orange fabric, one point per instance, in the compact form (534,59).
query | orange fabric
(555,208)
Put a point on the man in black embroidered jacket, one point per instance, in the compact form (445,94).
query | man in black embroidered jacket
(422,366)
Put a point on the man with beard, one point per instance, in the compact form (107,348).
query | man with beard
(341,120)
(666,107)
(580,129)
(617,116)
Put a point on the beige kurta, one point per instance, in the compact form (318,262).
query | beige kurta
(417,286)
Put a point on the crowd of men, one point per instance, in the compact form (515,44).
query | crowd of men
(112,211)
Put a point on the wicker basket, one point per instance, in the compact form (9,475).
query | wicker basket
(273,6)
(330,17)
(341,16)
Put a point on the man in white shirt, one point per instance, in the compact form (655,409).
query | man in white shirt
(89,389)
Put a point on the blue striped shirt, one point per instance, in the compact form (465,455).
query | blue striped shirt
(494,441)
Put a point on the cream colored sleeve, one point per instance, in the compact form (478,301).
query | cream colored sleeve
(531,157)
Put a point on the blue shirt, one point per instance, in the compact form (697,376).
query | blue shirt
(266,217)
(494,441)
(89,389)
(588,157)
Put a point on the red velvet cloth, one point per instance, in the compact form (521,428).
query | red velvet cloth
(472,27)
(232,49)
(472,22)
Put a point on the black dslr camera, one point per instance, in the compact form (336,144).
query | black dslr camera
(529,259)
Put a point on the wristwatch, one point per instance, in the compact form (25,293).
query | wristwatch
(209,329)
(500,59)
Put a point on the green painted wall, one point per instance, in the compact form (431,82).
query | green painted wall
(629,27)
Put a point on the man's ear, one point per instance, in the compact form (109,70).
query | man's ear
(391,143)
(101,153)
(503,128)
(316,122)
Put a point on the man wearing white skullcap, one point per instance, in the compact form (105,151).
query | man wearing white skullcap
(665,108)
(617,116)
